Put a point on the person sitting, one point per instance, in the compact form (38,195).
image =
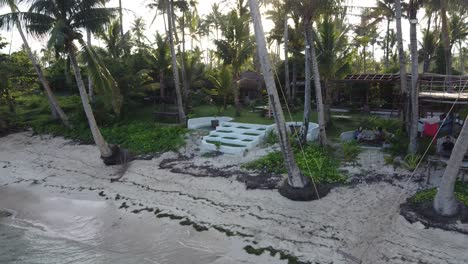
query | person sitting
(447,146)
(357,133)
(380,135)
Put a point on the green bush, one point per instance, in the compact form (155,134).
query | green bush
(428,195)
(412,161)
(388,124)
(271,138)
(316,162)
(351,150)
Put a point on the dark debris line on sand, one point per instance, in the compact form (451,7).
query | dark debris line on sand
(260,180)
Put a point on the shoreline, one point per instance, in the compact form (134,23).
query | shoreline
(335,229)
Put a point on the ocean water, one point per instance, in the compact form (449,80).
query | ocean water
(49,229)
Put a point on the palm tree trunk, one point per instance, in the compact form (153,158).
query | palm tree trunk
(413,143)
(105,150)
(287,84)
(90,81)
(237,103)
(121,19)
(55,108)
(294,81)
(445,37)
(387,42)
(180,105)
(444,202)
(401,59)
(322,137)
(462,58)
(427,59)
(307,87)
(295,179)
(162,85)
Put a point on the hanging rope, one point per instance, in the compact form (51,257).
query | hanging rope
(297,136)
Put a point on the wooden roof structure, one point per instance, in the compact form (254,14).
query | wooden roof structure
(433,87)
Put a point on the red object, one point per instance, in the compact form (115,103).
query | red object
(430,129)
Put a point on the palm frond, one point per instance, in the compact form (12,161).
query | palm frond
(101,76)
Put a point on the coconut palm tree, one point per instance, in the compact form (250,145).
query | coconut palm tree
(62,22)
(55,108)
(175,71)
(414,93)
(429,44)
(236,47)
(334,53)
(401,59)
(445,203)
(295,179)
(116,46)
(308,11)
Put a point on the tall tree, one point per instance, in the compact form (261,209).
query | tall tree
(445,33)
(295,179)
(413,133)
(445,203)
(236,47)
(175,71)
(401,59)
(335,54)
(308,11)
(8,21)
(62,21)
(90,80)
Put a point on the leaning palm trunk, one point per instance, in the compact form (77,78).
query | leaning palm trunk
(57,111)
(105,150)
(307,89)
(445,203)
(90,81)
(413,144)
(295,179)
(401,59)
(322,137)
(287,84)
(180,105)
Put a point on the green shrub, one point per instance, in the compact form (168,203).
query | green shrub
(428,195)
(412,161)
(351,150)
(316,162)
(271,138)
(388,124)
(273,162)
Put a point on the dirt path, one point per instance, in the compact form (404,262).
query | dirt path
(351,223)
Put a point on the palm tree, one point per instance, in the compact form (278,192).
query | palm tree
(459,34)
(308,11)
(413,133)
(334,53)
(385,10)
(138,30)
(116,46)
(90,80)
(62,21)
(429,45)
(445,33)
(236,47)
(445,203)
(295,179)
(223,82)
(55,108)
(121,19)
(401,59)
(175,71)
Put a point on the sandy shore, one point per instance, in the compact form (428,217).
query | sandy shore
(359,222)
